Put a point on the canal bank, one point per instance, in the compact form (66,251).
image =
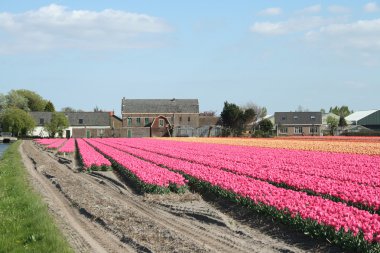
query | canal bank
(3,147)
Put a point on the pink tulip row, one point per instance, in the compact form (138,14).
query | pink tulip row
(91,157)
(325,212)
(145,171)
(57,144)
(45,142)
(345,190)
(68,147)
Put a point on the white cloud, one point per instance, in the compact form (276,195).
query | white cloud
(289,26)
(271,11)
(371,7)
(338,9)
(362,35)
(311,9)
(55,26)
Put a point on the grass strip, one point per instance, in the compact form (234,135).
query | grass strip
(25,224)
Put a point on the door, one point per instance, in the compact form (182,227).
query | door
(129,133)
(88,134)
(68,134)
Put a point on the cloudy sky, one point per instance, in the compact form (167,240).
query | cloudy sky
(278,54)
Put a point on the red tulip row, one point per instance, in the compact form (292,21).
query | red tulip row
(91,158)
(68,147)
(268,170)
(146,172)
(324,212)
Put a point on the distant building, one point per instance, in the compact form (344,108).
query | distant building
(369,119)
(81,124)
(160,117)
(298,123)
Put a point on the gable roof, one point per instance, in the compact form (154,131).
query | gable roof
(160,105)
(356,116)
(46,116)
(88,118)
(298,118)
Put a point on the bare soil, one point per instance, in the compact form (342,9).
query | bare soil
(100,212)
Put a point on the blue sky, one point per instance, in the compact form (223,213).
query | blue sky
(277,54)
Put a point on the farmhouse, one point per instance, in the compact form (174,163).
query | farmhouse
(160,117)
(81,124)
(369,119)
(298,123)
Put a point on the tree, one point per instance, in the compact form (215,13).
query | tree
(49,107)
(260,111)
(231,117)
(35,102)
(323,111)
(3,102)
(342,121)
(341,111)
(266,125)
(300,108)
(68,109)
(333,124)
(57,124)
(16,100)
(16,121)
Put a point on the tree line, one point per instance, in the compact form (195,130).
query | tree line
(14,113)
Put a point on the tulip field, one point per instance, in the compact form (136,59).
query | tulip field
(325,187)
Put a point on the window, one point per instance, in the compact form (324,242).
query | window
(80,121)
(283,130)
(100,132)
(180,118)
(146,121)
(138,121)
(312,117)
(129,121)
(295,117)
(313,129)
(188,119)
(283,118)
(42,121)
(298,130)
(161,122)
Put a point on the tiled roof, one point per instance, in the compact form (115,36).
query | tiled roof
(86,118)
(160,106)
(298,118)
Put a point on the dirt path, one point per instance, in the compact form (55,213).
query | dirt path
(99,213)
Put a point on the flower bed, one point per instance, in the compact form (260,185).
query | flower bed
(68,147)
(357,146)
(300,170)
(90,158)
(146,176)
(340,223)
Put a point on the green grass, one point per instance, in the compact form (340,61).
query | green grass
(25,224)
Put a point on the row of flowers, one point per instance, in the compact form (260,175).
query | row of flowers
(149,177)
(325,212)
(68,147)
(50,142)
(357,146)
(343,167)
(90,158)
(291,172)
